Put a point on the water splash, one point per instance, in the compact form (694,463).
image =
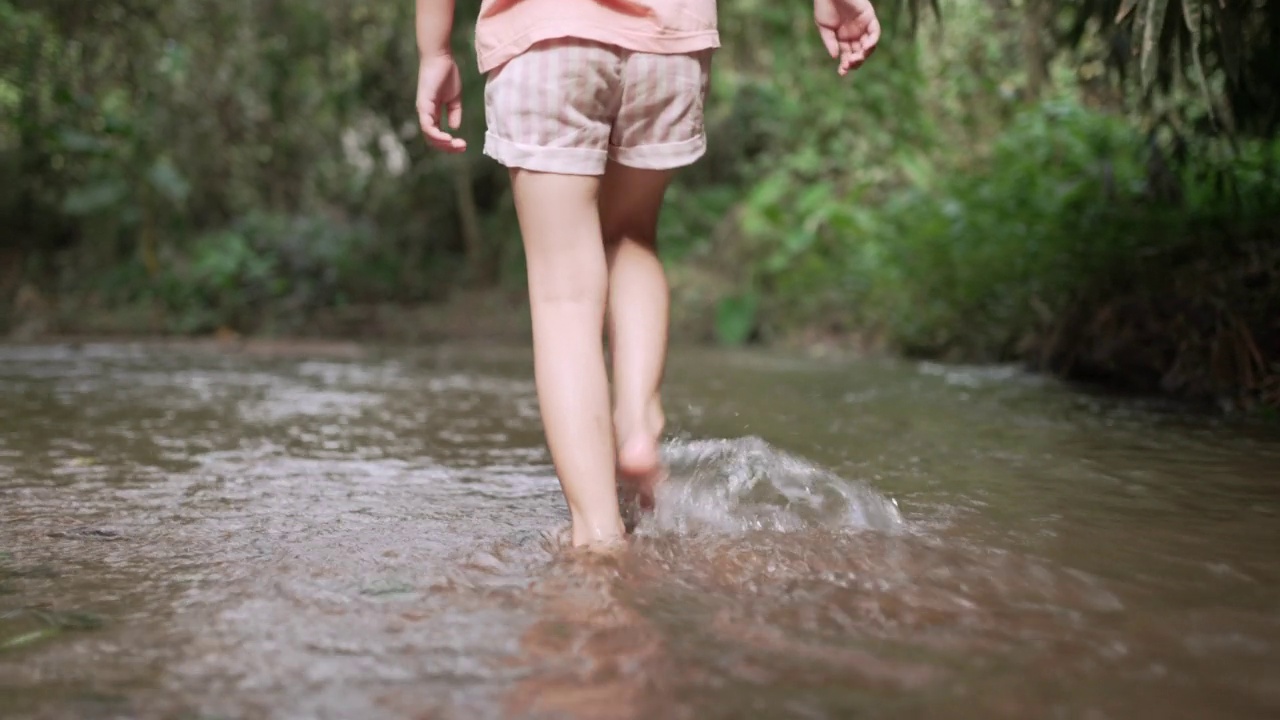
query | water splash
(739,485)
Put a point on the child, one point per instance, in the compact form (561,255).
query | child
(592,105)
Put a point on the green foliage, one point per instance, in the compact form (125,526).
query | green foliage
(975,257)
(254,165)
(735,320)
(272,273)
(1227,51)
(976,253)
(928,204)
(139,129)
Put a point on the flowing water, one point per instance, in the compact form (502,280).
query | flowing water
(379,534)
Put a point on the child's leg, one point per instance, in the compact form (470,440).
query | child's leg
(659,128)
(630,200)
(568,281)
(549,113)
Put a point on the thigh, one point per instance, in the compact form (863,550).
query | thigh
(630,201)
(560,227)
(659,125)
(551,108)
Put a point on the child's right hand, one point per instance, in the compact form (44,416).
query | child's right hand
(440,92)
(849,29)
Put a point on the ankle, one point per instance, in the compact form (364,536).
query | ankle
(644,419)
(655,418)
(601,533)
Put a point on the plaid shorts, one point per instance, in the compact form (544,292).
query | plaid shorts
(568,106)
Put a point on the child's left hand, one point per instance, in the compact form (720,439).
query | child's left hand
(849,29)
(440,89)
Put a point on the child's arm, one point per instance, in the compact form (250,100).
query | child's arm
(849,29)
(439,85)
(434,25)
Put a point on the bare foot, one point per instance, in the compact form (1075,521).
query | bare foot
(601,548)
(599,538)
(640,469)
(638,456)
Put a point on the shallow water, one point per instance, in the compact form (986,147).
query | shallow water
(191,534)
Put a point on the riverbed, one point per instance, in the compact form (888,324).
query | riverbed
(377,533)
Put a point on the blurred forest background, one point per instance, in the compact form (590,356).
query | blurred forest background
(1089,186)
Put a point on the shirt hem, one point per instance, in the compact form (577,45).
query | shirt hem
(670,43)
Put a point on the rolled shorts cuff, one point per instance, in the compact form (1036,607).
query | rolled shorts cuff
(560,160)
(666,156)
(590,161)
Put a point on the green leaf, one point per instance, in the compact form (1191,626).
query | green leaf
(166,179)
(95,197)
(81,142)
(918,170)
(736,318)
(1193,15)
(1151,36)
(14,643)
(1126,7)
(814,197)
(1231,42)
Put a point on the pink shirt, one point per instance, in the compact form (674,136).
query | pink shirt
(507,28)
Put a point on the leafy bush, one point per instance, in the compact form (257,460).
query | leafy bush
(972,257)
(270,273)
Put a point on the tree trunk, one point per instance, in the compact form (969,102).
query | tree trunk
(1034,51)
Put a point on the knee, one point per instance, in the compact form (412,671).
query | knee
(637,232)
